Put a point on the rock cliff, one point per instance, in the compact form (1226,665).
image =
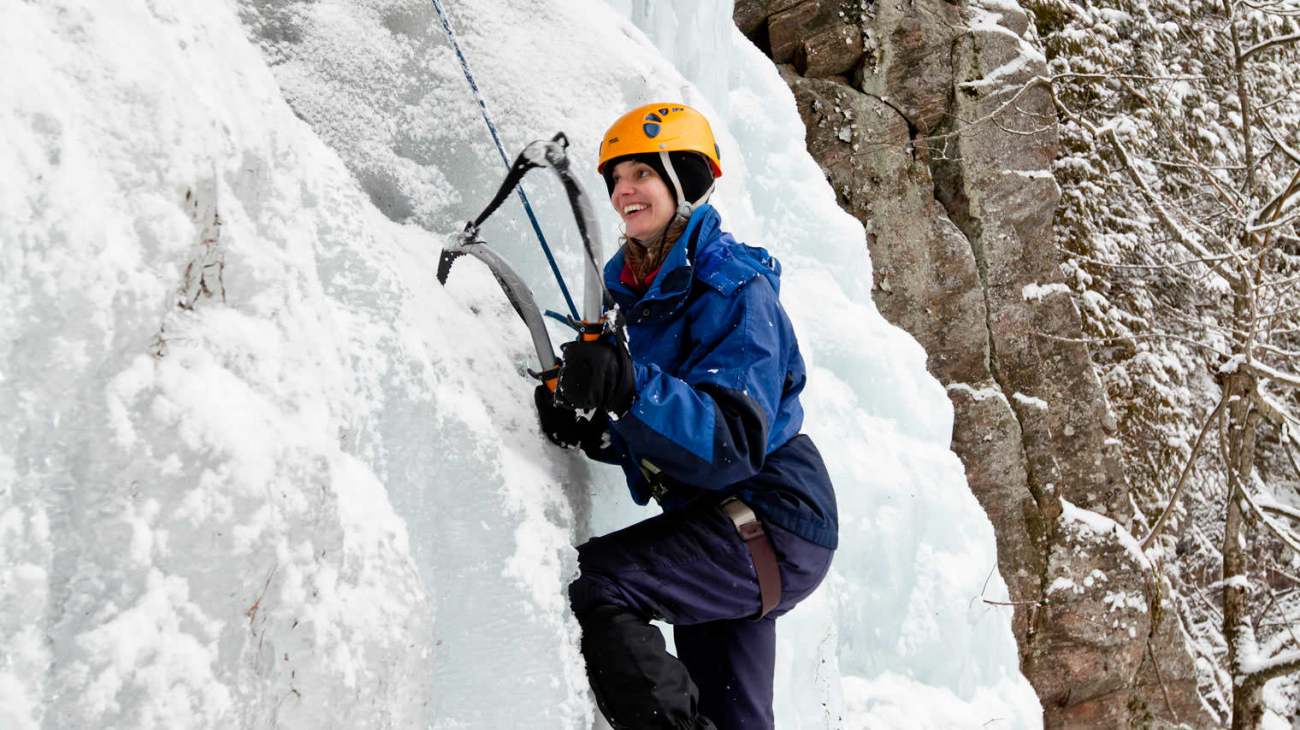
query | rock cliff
(935,125)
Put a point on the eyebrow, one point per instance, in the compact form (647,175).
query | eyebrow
(636,164)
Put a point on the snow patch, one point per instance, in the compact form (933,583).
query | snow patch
(1089,524)
(979,394)
(1032,402)
(1036,292)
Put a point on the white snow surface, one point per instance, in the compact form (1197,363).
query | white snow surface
(260,469)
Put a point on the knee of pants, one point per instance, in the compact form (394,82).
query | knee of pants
(589,591)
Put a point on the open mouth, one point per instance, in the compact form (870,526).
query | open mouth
(633,210)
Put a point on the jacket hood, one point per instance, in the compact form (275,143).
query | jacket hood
(725,264)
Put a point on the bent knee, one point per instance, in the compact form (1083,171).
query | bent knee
(590,591)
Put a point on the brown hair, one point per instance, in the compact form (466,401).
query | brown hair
(643,259)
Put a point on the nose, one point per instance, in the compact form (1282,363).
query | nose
(621,187)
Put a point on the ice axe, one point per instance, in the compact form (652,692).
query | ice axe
(600,313)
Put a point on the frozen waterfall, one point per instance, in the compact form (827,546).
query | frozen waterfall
(259,469)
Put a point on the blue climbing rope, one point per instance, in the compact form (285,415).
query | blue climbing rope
(487,117)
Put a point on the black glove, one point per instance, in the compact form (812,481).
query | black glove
(560,424)
(566,429)
(596,375)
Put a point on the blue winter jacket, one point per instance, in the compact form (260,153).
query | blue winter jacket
(718,376)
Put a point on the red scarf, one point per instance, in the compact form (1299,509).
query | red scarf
(629,277)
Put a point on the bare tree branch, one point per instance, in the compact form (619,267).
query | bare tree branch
(1163,687)
(1187,469)
(1280,141)
(965,127)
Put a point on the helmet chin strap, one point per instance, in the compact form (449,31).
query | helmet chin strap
(684,208)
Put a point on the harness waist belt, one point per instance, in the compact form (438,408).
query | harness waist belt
(760,549)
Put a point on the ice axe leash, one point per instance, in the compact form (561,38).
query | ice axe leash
(601,316)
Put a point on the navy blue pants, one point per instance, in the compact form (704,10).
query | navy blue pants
(688,568)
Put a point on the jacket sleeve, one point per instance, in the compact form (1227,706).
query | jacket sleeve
(708,425)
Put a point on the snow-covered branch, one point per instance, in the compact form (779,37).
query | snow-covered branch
(1262,369)
(1287,443)
(1168,266)
(1280,40)
(1262,670)
(1133,337)
(1286,536)
(1134,77)
(1290,219)
(1183,236)
(1280,509)
(1280,352)
(1280,141)
(1276,7)
(1273,313)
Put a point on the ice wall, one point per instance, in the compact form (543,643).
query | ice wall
(217,355)
(917,549)
(263,469)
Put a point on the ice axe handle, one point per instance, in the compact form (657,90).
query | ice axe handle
(610,324)
(589,331)
(550,376)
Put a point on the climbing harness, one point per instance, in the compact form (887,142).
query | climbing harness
(760,550)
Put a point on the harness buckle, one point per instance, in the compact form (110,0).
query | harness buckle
(751,531)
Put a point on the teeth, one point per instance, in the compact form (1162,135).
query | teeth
(634,208)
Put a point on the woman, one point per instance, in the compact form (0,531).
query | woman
(701,409)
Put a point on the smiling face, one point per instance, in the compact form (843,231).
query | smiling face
(642,199)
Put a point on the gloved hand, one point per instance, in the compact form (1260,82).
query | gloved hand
(596,375)
(568,429)
(560,424)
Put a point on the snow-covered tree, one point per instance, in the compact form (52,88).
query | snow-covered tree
(1180,172)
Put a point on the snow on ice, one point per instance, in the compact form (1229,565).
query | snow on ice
(262,469)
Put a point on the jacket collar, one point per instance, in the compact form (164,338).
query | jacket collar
(674,278)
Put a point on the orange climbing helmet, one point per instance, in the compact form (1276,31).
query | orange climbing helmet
(660,128)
